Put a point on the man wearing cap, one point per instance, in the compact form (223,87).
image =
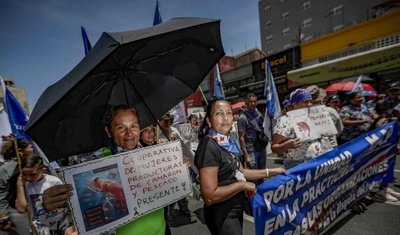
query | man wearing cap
(318,95)
(385,106)
(333,102)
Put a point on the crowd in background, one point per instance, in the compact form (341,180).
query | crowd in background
(230,157)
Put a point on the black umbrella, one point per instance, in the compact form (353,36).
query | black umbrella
(152,69)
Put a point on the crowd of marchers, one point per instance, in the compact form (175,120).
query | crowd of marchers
(229,164)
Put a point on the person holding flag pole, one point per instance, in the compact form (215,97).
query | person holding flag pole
(18,120)
(11,221)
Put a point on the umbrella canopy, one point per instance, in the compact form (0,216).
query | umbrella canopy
(348,86)
(151,69)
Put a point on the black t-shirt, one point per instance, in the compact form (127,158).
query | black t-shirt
(210,154)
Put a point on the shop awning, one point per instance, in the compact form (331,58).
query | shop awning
(375,60)
(237,105)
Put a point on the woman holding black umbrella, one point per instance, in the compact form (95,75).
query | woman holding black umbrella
(122,126)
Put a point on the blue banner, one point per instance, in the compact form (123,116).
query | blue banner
(312,195)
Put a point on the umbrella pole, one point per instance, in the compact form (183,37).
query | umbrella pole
(20,172)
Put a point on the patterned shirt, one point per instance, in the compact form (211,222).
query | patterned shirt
(355,113)
(307,150)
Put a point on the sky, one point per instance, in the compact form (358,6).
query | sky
(41,41)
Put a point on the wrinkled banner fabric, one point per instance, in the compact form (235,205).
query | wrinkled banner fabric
(316,192)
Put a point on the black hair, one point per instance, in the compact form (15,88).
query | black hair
(250,95)
(114,110)
(32,160)
(351,95)
(204,125)
(8,150)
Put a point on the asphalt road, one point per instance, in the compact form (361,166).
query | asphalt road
(381,218)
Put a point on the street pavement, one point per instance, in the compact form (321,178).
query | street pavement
(381,218)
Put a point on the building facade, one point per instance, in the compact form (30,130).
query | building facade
(287,23)
(370,48)
(18,92)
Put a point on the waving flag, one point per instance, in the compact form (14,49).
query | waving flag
(273,109)
(357,86)
(218,88)
(18,119)
(86,42)
(157,15)
(16,114)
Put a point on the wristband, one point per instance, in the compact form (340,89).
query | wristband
(267,171)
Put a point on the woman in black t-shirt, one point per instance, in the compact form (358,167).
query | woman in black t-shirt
(222,176)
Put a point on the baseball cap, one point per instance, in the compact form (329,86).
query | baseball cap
(394,86)
(166,116)
(333,98)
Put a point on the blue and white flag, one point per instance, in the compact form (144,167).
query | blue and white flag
(157,15)
(273,108)
(315,193)
(218,87)
(16,114)
(86,42)
(358,85)
(17,119)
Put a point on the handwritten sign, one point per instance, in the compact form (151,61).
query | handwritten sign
(112,191)
(313,122)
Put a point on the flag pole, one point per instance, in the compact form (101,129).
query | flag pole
(14,140)
(204,97)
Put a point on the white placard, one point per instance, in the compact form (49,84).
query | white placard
(323,121)
(312,122)
(114,190)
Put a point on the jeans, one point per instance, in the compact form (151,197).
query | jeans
(259,161)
